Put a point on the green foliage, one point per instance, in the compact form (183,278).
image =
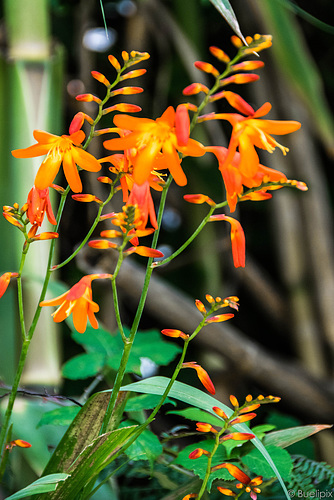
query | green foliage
(43,485)
(104,350)
(256,462)
(199,465)
(146,447)
(307,474)
(144,402)
(60,416)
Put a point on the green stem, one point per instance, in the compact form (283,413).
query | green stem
(191,238)
(12,397)
(129,341)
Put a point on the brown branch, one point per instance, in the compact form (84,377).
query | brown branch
(304,393)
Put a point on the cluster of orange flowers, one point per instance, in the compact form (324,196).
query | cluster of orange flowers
(150,147)
(241,414)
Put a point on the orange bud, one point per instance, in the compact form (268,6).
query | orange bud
(144,251)
(101,244)
(88,98)
(182,125)
(219,318)
(110,233)
(220,412)
(250,408)
(113,61)
(236,41)
(209,298)
(198,453)
(234,401)
(4,281)
(204,427)
(45,236)
(191,495)
(237,436)
(76,123)
(12,219)
(200,306)
(100,78)
(247,66)
(237,102)
(219,54)
(226,491)
(123,108)
(126,91)
(87,198)
(198,199)
(133,74)
(21,443)
(243,418)
(202,375)
(207,68)
(195,88)
(240,78)
(125,56)
(105,180)
(174,333)
(139,56)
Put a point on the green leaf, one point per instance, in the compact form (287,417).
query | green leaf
(195,397)
(91,461)
(42,485)
(287,437)
(225,9)
(199,465)
(84,366)
(198,416)
(294,60)
(83,430)
(59,416)
(146,447)
(145,402)
(258,464)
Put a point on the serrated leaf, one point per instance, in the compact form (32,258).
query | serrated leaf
(287,437)
(146,447)
(225,9)
(60,416)
(84,366)
(199,465)
(42,485)
(258,464)
(195,397)
(198,416)
(145,402)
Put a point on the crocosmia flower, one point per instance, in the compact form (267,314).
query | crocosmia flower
(39,204)
(249,485)
(152,137)
(4,281)
(78,300)
(65,149)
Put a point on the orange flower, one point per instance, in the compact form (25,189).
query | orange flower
(141,197)
(198,453)
(237,239)
(249,131)
(39,204)
(246,482)
(150,137)
(170,332)
(78,300)
(202,375)
(17,442)
(4,281)
(59,149)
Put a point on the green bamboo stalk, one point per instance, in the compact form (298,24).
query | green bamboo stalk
(33,101)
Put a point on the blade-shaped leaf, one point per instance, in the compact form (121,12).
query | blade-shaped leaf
(83,430)
(195,397)
(42,485)
(225,9)
(286,437)
(60,416)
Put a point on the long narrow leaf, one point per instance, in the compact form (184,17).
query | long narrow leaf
(43,485)
(225,9)
(195,397)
